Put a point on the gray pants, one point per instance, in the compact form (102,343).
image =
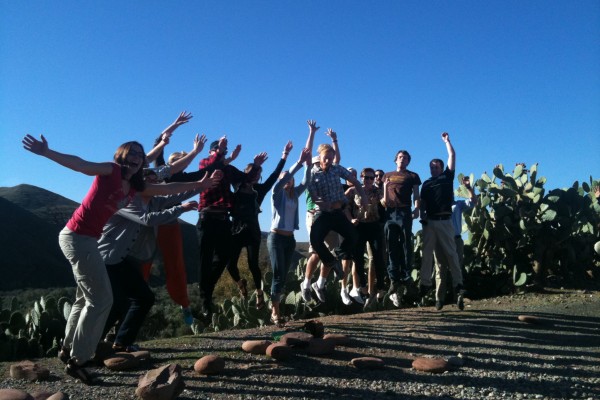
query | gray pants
(93,298)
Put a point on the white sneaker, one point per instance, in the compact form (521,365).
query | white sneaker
(357,296)
(395,299)
(305,290)
(319,292)
(345,296)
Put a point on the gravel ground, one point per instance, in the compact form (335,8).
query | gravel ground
(504,358)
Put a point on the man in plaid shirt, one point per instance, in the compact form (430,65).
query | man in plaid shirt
(327,192)
(214,225)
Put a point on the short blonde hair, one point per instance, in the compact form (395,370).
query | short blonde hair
(324,147)
(177,156)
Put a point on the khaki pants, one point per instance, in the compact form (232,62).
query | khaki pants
(441,269)
(438,237)
(93,298)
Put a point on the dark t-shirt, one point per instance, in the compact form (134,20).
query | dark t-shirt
(437,194)
(400,187)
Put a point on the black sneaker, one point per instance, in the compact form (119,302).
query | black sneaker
(439,305)
(460,301)
(79,372)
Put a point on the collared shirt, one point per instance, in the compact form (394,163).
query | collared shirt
(326,185)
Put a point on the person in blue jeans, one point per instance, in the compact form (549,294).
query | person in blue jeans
(285,220)
(399,187)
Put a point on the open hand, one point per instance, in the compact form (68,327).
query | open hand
(35,146)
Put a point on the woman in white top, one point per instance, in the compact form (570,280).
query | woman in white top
(281,243)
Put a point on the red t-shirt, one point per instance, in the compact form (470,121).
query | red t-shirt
(103,199)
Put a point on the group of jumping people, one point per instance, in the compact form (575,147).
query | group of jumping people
(132,209)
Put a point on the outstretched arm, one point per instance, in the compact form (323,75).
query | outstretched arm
(205,183)
(184,161)
(66,160)
(157,150)
(451,154)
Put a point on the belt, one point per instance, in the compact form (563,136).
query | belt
(220,215)
(313,211)
(439,217)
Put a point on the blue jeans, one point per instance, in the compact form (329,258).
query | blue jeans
(281,249)
(398,236)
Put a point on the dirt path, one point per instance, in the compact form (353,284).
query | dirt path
(504,358)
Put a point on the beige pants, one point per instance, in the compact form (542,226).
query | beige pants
(441,269)
(93,298)
(438,237)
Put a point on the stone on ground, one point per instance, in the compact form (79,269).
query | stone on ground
(433,365)
(164,383)
(210,365)
(29,371)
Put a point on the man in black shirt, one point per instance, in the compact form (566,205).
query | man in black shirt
(437,195)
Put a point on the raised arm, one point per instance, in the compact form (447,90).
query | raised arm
(157,150)
(451,154)
(337,158)
(184,161)
(312,129)
(75,163)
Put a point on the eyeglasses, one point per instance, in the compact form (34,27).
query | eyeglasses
(368,177)
(135,153)
(378,176)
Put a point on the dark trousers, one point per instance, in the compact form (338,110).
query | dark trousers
(336,221)
(214,240)
(133,299)
(369,232)
(249,238)
(398,236)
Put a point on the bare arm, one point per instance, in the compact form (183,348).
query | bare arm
(183,118)
(66,160)
(312,129)
(183,162)
(337,158)
(417,202)
(451,154)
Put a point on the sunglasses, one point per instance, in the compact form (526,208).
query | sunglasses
(368,177)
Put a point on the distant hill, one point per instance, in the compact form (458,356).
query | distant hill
(32,217)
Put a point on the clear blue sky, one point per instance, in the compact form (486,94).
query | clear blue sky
(511,81)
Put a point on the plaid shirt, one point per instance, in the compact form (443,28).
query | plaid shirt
(221,196)
(326,185)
